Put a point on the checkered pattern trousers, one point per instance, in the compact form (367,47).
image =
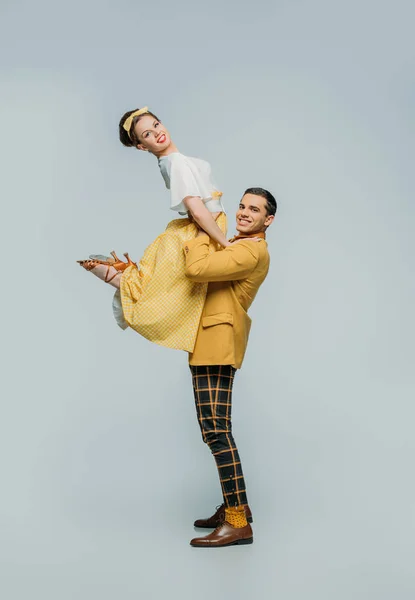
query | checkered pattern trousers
(212,386)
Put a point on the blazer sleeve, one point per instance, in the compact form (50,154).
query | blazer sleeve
(230,264)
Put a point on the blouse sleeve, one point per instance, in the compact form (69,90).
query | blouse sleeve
(183,183)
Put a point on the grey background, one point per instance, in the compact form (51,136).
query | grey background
(102,466)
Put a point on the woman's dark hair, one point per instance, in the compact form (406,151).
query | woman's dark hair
(271,205)
(124,137)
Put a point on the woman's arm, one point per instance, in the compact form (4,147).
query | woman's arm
(205,219)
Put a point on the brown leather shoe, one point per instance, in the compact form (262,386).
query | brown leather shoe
(219,518)
(225,535)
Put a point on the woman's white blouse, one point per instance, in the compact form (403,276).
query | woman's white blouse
(185,176)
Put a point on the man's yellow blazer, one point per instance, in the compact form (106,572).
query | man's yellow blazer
(234,275)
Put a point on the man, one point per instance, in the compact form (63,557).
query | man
(234,275)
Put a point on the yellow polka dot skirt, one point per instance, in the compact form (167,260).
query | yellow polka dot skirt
(159,302)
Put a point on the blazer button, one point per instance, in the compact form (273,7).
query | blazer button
(186,249)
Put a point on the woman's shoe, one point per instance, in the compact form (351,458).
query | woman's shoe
(99,259)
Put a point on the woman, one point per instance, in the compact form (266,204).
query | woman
(155,298)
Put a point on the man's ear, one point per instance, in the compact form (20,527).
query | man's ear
(141,147)
(269,220)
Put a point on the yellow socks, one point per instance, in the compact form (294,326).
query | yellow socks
(236,516)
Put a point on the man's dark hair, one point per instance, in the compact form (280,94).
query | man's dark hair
(271,205)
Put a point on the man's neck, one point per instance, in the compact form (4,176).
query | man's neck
(238,236)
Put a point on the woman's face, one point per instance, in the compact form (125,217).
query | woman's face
(152,135)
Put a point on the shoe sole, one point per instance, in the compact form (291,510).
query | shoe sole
(236,543)
(249,519)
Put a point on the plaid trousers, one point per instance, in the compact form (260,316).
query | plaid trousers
(212,387)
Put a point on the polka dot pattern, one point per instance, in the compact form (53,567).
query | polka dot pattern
(236,516)
(159,302)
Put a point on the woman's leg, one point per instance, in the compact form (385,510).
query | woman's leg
(104,272)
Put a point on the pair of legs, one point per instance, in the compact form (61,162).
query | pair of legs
(107,268)
(212,387)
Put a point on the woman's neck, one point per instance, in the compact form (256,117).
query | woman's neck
(169,150)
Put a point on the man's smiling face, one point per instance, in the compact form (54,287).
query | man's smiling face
(252,215)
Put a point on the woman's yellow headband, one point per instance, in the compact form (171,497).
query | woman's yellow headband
(129,121)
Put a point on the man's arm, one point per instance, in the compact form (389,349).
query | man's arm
(234,262)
